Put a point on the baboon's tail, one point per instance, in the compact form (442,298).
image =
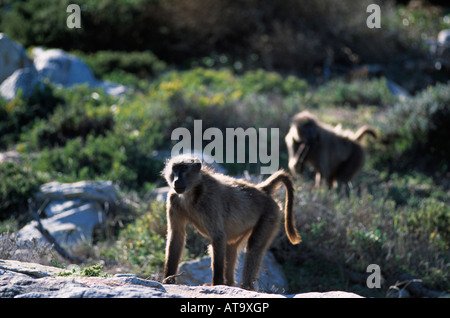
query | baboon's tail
(269,186)
(366,129)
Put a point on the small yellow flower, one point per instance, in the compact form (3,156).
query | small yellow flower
(218,99)
(236,94)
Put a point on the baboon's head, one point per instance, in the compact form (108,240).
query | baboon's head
(305,128)
(182,173)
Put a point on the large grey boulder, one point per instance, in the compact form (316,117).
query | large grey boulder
(61,68)
(68,70)
(19,72)
(271,277)
(71,211)
(74,223)
(10,156)
(12,57)
(25,80)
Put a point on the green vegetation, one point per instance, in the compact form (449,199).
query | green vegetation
(142,243)
(16,186)
(416,133)
(95,270)
(348,234)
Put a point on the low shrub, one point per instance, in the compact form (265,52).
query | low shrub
(17,185)
(355,93)
(19,114)
(66,123)
(415,134)
(142,64)
(142,243)
(353,232)
(110,157)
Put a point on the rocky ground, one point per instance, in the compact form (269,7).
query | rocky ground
(30,280)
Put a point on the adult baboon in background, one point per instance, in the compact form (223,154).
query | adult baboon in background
(229,212)
(335,154)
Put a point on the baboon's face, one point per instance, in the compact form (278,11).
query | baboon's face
(184,177)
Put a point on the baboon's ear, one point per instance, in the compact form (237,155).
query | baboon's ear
(197,166)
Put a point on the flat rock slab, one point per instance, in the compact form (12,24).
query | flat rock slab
(30,269)
(29,280)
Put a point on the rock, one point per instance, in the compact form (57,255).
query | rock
(160,194)
(18,72)
(68,70)
(220,291)
(395,292)
(410,286)
(223,291)
(10,156)
(16,281)
(73,210)
(72,225)
(20,285)
(12,57)
(444,37)
(330,294)
(30,269)
(61,68)
(25,80)
(271,277)
(99,191)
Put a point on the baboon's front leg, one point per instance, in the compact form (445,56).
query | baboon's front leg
(174,248)
(218,259)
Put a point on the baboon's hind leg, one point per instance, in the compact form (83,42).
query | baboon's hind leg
(258,243)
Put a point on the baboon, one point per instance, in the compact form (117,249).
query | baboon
(229,212)
(334,154)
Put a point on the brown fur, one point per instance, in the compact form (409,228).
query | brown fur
(229,212)
(335,154)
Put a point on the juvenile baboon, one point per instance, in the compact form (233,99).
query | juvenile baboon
(335,154)
(229,212)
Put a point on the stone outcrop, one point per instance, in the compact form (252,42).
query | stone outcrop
(18,72)
(271,277)
(73,210)
(28,280)
(12,57)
